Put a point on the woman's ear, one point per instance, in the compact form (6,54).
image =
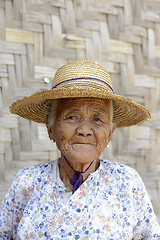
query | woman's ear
(110,133)
(50,130)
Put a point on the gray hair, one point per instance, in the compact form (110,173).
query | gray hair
(53,104)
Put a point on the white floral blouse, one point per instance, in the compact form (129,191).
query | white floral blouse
(111,204)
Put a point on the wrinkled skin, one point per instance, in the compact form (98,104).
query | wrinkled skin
(81,130)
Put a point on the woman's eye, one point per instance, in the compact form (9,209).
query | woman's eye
(71,117)
(97,119)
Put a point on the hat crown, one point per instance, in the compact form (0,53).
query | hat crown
(83,74)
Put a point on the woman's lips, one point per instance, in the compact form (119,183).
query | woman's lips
(83,143)
(83,146)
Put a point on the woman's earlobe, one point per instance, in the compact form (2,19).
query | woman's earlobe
(50,130)
(50,133)
(110,134)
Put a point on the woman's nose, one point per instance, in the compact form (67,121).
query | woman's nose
(84,129)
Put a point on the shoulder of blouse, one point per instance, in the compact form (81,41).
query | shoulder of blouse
(116,167)
(29,179)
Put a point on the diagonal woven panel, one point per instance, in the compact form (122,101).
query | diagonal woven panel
(37,37)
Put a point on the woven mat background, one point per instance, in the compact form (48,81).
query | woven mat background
(38,36)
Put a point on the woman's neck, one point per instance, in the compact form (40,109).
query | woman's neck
(67,173)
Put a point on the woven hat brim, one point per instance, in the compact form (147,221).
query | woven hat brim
(126,112)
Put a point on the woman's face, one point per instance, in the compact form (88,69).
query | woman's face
(82,128)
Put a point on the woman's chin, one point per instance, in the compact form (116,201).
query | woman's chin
(81,153)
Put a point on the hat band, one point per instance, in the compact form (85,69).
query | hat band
(70,79)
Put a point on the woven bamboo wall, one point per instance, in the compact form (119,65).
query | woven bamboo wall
(38,36)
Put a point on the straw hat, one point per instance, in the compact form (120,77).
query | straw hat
(81,78)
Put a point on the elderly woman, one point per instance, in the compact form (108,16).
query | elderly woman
(79,195)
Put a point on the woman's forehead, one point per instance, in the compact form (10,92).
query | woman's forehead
(75,103)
